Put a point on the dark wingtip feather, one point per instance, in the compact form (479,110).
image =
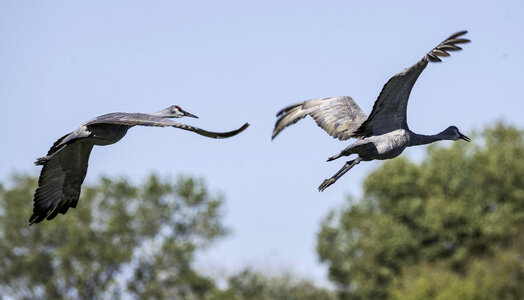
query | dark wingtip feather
(246,125)
(280,114)
(433,58)
(35,218)
(457,41)
(463,32)
(235,132)
(288,108)
(439,52)
(450,48)
(40,161)
(447,45)
(275,133)
(53,215)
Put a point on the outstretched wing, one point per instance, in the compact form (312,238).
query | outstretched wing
(133,119)
(389,110)
(210,134)
(338,116)
(60,181)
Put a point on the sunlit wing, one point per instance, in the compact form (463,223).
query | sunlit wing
(134,119)
(338,116)
(60,181)
(389,110)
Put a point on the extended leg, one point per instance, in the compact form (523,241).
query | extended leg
(348,151)
(342,153)
(347,166)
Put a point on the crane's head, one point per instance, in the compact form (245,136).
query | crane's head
(454,134)
(174,111)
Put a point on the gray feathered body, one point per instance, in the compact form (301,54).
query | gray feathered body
(106,134)
(384,146)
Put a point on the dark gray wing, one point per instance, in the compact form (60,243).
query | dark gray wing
(389,110)
(133,119)
(60,181)
(210,134)
(338,116)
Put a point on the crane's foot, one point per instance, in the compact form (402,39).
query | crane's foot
(325,184)
(347,166)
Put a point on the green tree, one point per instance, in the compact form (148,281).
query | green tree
(440,220)
(499,276)
(251,285)
(121,240)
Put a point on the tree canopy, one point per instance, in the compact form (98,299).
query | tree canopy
(449,227)
(121,239)
(251,285)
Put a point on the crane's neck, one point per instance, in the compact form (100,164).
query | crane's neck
(162,114)
(416,139)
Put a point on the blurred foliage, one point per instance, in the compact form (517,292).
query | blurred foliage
(121,239)
(496,277)
(450,227)
(250,285)
(124,241)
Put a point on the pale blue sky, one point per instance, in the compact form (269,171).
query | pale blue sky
(63,62)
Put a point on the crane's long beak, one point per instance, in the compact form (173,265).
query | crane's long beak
(467,139)
(186,114)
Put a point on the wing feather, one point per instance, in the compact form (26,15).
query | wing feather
(389,110)
(338,116)
(60,181)
(133,119)
(210,134)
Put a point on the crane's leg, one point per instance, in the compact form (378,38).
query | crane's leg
(348,151)
(347,166)
(335,156)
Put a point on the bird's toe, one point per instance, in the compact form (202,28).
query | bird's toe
(325,184)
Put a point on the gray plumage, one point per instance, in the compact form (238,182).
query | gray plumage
(338,116)
(65,165)
(385,133)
